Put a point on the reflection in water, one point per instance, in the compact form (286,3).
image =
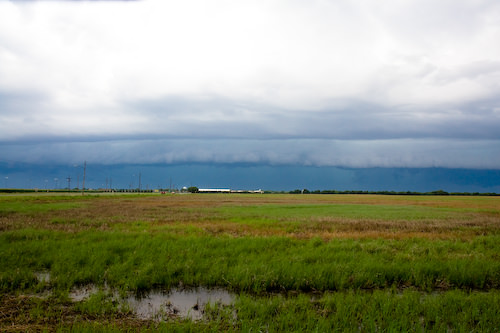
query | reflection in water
(43,277)
(82,293)
(158,305)
(183,303)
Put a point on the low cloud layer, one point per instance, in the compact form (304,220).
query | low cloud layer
(476,154)
(322,83)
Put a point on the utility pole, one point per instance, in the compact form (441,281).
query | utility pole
(69,182)
(139,182)
(84,171)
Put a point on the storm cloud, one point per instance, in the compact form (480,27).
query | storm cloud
(314,83)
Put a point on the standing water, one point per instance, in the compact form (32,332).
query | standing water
(182,303)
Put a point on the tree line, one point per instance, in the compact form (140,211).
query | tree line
(437,192)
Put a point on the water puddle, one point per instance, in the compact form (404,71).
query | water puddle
(159,305)
(82,293)
(183,303)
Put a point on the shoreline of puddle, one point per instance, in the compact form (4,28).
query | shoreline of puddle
(156,304)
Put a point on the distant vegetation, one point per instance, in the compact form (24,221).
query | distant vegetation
(438,192)
(194,189)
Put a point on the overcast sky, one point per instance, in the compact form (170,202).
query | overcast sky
(358,83)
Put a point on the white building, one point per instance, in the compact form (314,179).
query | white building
(214,190)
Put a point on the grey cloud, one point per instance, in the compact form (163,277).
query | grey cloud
(346,119)
(470,71)
(219,118)
(480,68)
(310,152)
(20,103)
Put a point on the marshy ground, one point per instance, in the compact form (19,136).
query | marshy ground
(288,262)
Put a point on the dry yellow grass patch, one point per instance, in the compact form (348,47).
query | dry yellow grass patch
(185,213)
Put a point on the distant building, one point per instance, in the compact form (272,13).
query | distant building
(247,191)
(227,190)
(214,190)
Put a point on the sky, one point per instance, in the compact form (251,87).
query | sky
(317,85)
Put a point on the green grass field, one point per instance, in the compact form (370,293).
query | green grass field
(292,262)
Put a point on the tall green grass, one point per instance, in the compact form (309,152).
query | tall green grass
(350,311)
(141,261)
(370,311)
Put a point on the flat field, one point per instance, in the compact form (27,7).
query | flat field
(271,262)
